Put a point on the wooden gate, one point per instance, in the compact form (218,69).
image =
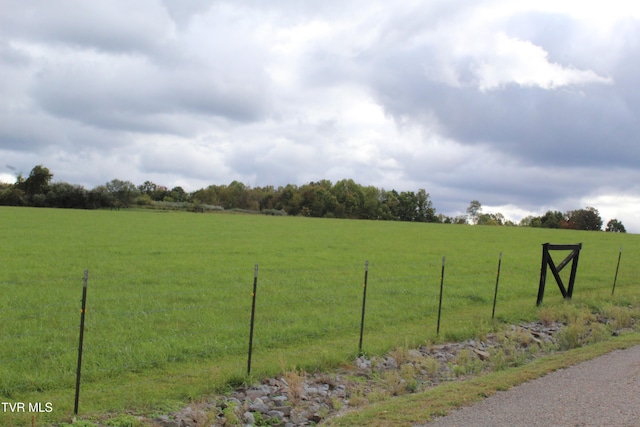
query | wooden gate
(548,261)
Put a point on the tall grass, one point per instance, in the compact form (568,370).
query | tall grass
(169,295)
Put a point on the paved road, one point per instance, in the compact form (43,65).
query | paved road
(601,392)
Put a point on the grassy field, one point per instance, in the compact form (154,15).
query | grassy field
(169,296)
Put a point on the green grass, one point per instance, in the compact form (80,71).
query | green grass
(169,296)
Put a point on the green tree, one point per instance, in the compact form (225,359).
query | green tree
(37,182)
(615,226)
(349,198)
(474,209)
(178,194)
(425,210)
(122,193)
(586,219)
(65,195)
(554,219)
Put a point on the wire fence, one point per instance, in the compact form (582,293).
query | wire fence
(143,321)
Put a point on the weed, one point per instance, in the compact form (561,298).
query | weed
(400,354)
(619,317)
(124,421)
(231,418)
(378,396)
(336,403)
(356,396)
(296,380)
(464,356)
(394,383)
(79,423)
(570,336)
(407,372)
(430,365)
(499,361)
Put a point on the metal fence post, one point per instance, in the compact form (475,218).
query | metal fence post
(440,303)
(364,301)
(615,278)
(253,315)
(495,295)
(82,313)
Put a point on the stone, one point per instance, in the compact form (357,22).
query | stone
(483,355)
(286,410)
(414,354)
(279,399)
(391,363)
(165,421)
(299,416)
(249,418)
(276,414)
(363,363)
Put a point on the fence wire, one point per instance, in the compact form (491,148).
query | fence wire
(143,321)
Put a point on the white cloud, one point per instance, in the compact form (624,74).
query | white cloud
(513,61)
(7,178)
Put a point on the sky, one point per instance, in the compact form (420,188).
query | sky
(525,106)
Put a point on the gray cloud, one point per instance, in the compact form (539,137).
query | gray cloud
(527,108)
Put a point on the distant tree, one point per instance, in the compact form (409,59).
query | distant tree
(100,197)
(123,193)
(178,194)
(11,195)
(65,195)
(425,210)
(586,219)
(490,219)
(615,226)
(37,182)
(154,191)
(372,204)
(407,206)
(349,198)
(460,219)
(553,219)
(474,209)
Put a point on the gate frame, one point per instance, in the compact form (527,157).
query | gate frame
(548,261)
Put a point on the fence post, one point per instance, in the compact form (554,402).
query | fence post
(364,301)
(495,295)
(253,315)
(615,278)
(440,303)
(82,313)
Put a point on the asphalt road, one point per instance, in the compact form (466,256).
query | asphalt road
(601,392)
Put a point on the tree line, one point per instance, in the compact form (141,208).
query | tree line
(323,199)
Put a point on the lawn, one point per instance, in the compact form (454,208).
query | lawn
(169,296)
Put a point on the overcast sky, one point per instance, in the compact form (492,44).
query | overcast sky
(523,105)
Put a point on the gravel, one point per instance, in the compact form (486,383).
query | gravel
(601,392)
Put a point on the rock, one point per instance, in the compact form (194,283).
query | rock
(249,418)
(259,406)
(414,354)
(164,421)
(363,363)
(483,355)
(276,414)
(391,363)
(286,410)
(299,416)
(280,399)
(254,393)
